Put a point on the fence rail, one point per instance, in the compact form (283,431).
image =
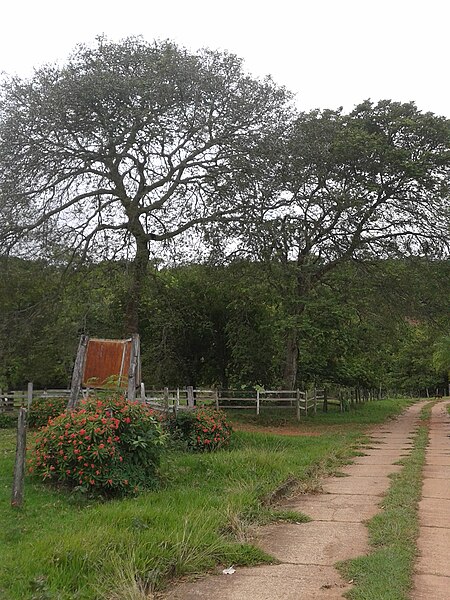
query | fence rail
(175,399)
(18,398)
(303,402)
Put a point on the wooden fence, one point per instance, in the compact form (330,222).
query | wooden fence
(175,399)
(18,399)
(172,400)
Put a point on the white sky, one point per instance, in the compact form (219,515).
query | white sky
(330,53)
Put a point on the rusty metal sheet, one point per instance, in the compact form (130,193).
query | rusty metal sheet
(107,363)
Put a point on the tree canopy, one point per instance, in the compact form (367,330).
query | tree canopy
(126,145)
(365,324)
(131,146)
(372,183)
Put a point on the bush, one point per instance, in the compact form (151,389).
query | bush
(108,446)
(43,409)
(204,429)
(8,420)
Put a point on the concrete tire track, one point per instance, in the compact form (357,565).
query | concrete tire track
(307,552)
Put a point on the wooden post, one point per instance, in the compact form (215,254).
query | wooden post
(298,404)
(19,465)
(134,367)
(29,394)
(315,401)
(77,375)
(190,396)
(166,399)
(143,397)
(216,398)
(177,402)
(306,403)
(257,402)
(325,401)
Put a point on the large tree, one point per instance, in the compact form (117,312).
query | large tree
(372,183)
(128,144)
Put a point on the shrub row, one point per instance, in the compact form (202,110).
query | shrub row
(8,420)
(109,446)
(112,446)
(203,429)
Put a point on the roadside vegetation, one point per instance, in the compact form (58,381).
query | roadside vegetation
(66,546)
(358,415)
(369,324)
(386,573)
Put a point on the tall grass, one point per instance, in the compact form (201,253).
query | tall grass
(60,546)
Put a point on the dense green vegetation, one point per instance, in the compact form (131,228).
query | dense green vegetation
(107,447)
(368,324)
(148,189)
(58,544)
(324,231)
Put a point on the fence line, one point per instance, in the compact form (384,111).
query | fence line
(303,402)
(175,399)
(22,399)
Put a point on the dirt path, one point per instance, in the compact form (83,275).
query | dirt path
(432,580)
(307,552)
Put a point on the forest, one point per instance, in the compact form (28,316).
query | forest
(146,188)
(370,324)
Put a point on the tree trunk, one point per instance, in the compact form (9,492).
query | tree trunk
(295,312)
(138,276)
(291,360)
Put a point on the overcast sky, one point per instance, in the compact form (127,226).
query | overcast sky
(329,52)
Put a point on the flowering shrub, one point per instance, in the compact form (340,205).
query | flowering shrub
(43,409)
(108,446)
(204,429)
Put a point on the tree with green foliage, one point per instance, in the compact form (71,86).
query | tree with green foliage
(412,366)
(441,358)
(341,187)
(126,147)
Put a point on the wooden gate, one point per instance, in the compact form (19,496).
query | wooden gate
(106,364)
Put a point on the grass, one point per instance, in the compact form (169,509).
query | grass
(359,415)
(425,413)
(386,573)
(61,547)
